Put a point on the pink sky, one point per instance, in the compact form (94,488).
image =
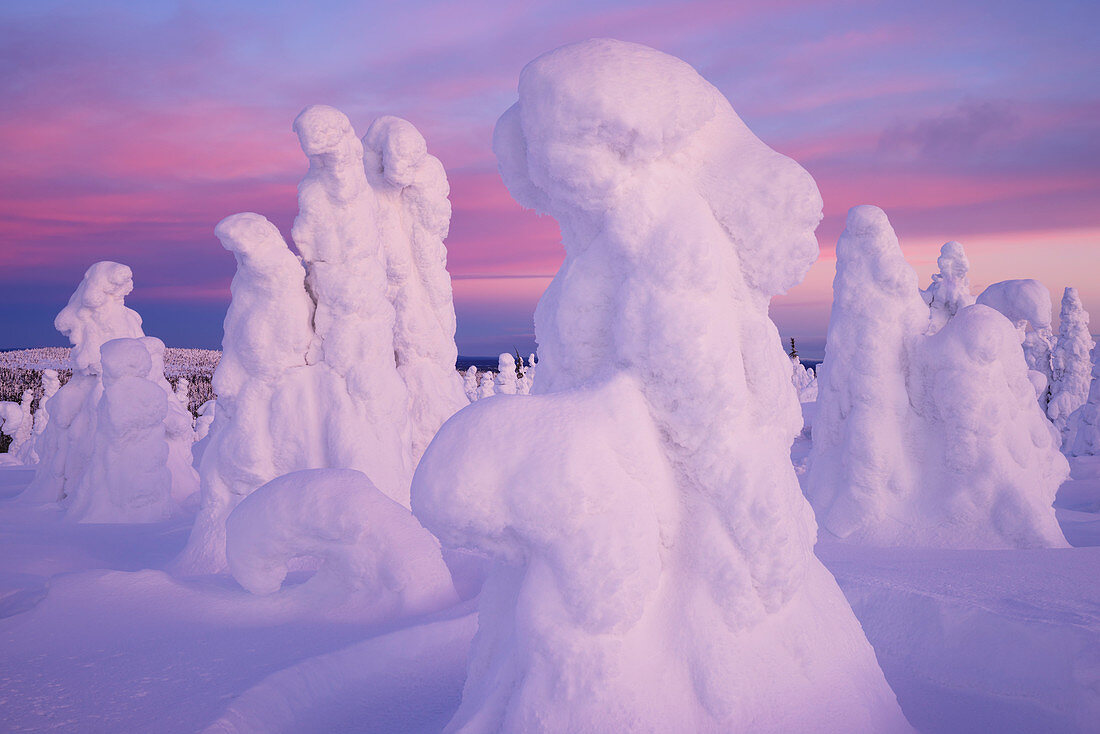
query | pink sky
(129,130)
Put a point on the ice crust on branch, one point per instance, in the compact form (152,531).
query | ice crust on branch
(925,440)
(377,561)
(343,358)
(627,490)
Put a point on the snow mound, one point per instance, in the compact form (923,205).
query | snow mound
(1086,420)
(630,489)
(375,556)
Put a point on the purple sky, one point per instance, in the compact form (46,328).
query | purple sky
(129,129)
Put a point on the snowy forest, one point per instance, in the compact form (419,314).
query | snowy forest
(661,521)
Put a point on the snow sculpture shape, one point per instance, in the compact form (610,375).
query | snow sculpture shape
(1070,364)
(11,417)
(377,560)
(414,218)
(469,383)
(1026,303)
(336,232)
(94,315)
(859,467)
(204,419)
(267,333)
(922,440)
(652,553)
(506,383)
(992,463)
(1085,423)
(950,288)
(127,480)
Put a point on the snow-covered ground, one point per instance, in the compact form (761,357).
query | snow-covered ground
(97,637)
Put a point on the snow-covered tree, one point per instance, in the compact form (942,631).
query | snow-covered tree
(469,383)
(950,288)
(22,443)
(128,479)
(925,439)
(628,490)
(860,467)
(414,217)
(1026,303)
(96,313)
(506,383)
(1085,422)
(1070,363)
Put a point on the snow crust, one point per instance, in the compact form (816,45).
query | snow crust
(377,561)
(1071,366)
(626,489)
(925,438)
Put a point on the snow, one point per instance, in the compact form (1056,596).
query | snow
(950,287)
(506,382)
(1026,303)
(96,313)
(627,489)
(469,383)
(925,438)
(1070,365)
(377,562)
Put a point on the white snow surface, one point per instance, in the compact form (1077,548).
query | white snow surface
(627,489)
(1071,365)
(377,561)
